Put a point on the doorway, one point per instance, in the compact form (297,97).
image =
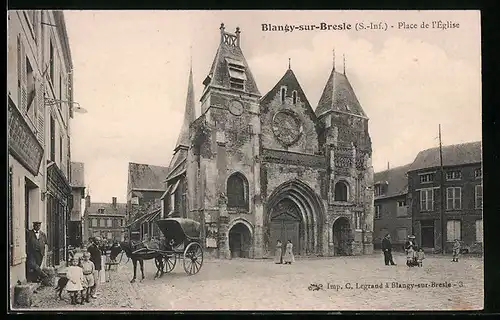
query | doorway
(427,233)
(240,241)
(286,225)
(341,230)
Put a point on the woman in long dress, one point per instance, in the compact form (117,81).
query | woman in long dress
(289,258)
(278,258)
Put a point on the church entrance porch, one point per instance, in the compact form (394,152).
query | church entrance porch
(240,241)
(286,225)
(341,231)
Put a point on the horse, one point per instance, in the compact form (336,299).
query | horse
(130,249)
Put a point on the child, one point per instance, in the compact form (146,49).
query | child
(410,255)
(75,280)
(456,250)
(420,256)
(88,269)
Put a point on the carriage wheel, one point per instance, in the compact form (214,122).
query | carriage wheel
(193,258)
(169,262)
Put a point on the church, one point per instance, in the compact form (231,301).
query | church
(254,169)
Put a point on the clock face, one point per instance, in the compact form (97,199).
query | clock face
(236,107)
(287,127)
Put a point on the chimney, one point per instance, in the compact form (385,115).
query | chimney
(87,201)
(114,202)
(222,32)
(237,36)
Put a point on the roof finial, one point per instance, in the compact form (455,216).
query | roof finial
(344,62)
(289,63)
(191,57)
(333,58)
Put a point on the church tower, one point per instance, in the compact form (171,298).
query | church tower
(349,153)
(224,157)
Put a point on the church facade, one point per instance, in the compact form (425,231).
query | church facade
(256,169)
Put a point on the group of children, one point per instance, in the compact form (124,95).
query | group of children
(415,257)
(81,279)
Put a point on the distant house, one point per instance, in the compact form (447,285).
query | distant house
(146,185)
(391,210)
(77,183)
(463,196)
(105,220)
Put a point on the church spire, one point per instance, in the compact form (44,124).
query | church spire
(189,113)
(333,58)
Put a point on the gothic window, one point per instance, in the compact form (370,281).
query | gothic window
(294,97)
(237,191)
(340,191)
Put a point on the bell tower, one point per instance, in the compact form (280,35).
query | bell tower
(226,142)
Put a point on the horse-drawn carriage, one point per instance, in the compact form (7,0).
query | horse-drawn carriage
(182,241)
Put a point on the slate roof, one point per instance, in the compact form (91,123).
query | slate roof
(146,176)
(453,155)
(219,74)
(339,95)
(292,83)
(397,181)
(189,114)
(77,175)
(121,208)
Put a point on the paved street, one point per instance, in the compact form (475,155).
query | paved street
(261,285)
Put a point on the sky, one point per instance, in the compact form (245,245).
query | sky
(131,72)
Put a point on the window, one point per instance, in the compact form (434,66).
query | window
(426,200)
(51,62)
(109,235)
(340,191)
(110,223)
(237,191)
(121,222)
(478,173)
(453,230)
(100,210)
(52,138)
(283,94)
(134,200)
(102,222)
(454,175)
(380,189)
(357,220)
(378,213)
(479,197)
(401,234)
(427,178)
(94,222)
(479,230)
(453,198)
(402,209)
(294,97)
(237,76)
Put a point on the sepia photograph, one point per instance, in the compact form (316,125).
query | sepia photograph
(244,160)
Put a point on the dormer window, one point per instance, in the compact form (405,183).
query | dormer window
(237,76)
(100,210)
(380,188)
(294,97)
(283,94)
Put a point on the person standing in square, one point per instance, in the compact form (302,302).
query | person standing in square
(35,251)
(387,248)
(95,257)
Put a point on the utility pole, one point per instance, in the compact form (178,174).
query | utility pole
(441,207)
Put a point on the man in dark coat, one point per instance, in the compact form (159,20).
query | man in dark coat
(95,257)
(35,251)
(387,248)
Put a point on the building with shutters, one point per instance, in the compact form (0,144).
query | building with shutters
(145,188)
(391,215)
(39,110)
(256,168)
(75,225)
(105,220)
(463,197)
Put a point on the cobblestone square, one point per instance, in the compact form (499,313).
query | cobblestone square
(344,283)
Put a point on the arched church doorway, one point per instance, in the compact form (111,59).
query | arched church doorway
(286,225)
(341,231)
(240,241)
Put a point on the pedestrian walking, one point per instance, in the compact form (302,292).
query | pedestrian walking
(288,257)
(88,269)
(278,256)
(420,256)
(387,249)
(456,250)
(75,280)
(35,251)
(95,257)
